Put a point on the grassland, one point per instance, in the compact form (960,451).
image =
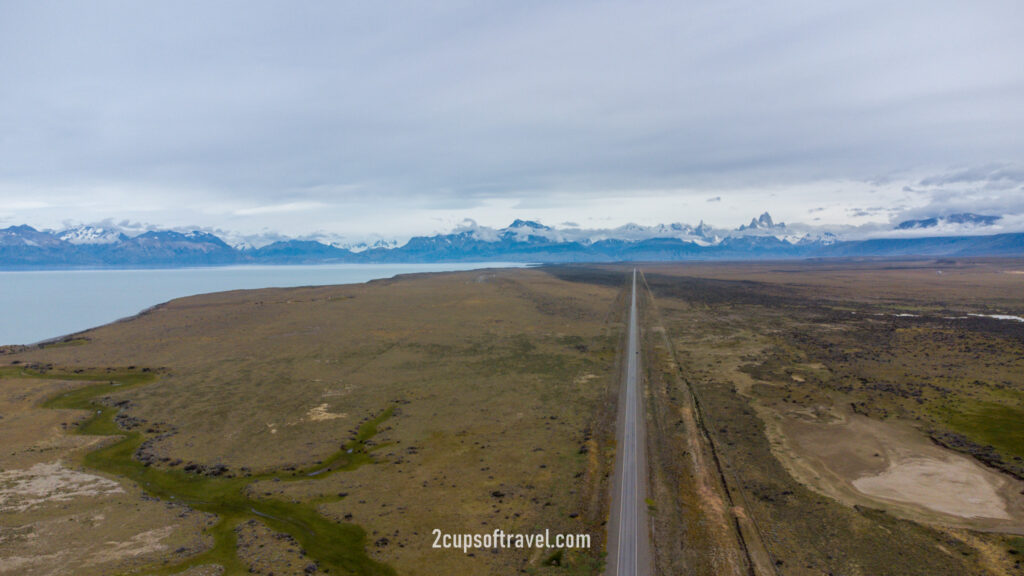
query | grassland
(816,380)
(339,547)
(803,418)
(470,402)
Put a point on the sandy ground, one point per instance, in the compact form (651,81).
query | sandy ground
(21,490)
(952,486)
(140,544)
(889,465)
(57,518)
(320,413)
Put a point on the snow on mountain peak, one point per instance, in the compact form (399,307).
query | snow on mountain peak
(91,235)
(704,231)
(518,223)
(525,230)
(762,222)
(364,246)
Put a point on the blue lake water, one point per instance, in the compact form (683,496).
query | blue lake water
(39,305)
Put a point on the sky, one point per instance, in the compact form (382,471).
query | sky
(363,120)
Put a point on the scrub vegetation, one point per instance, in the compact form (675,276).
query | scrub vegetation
(803,418)
(853,416)
(331,429)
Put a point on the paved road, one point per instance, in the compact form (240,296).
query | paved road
(628,541)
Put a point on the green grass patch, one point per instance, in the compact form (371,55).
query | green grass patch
(988,423)
(555,559)
(124,376)
(65,343)
(1015,546)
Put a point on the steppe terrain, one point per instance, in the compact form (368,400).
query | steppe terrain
(865,417)
(376,413)
(802,417)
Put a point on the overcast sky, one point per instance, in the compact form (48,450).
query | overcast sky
(363,119)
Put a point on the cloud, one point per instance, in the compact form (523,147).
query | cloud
(966,198)
(257,114)
(867,212)
(280,208)
(997,177)
(25,204)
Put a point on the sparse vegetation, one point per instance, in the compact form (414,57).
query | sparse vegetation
(455,389)
(334,428)
(776,351)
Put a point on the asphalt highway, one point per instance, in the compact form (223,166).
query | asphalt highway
(628,537)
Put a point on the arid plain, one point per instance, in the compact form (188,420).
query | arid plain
(802,418)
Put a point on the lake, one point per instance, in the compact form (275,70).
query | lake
(39,305)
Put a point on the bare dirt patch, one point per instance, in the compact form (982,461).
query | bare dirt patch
(952,486)
(23,489)
(57,518)
(21,564)
(147,542)
(859,460)
(321,412)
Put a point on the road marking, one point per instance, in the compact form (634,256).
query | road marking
(630,527)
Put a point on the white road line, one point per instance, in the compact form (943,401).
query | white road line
(630,527)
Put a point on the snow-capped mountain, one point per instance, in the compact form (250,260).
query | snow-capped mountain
(98,246)
(27,236)
(819,238)
(521,241)
(706,232)
(533,231)
(528,230)
(92,235)
(762,222)
(364,246)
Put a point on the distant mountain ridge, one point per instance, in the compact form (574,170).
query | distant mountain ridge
(962,218)
(24,247)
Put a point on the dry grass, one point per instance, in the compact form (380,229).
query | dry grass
(780,352)
(500,387)
(495,378)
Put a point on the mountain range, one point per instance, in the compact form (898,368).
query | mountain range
(24,247)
